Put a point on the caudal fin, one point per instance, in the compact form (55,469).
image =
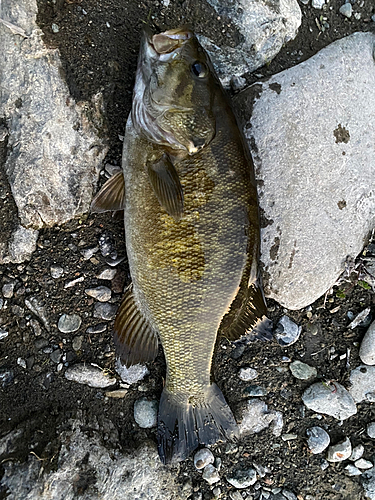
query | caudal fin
(184,425)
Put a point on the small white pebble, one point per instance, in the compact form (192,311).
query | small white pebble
(247,374)
(357,453)
(371,430)
(363,464)
(202,458)
(353,471)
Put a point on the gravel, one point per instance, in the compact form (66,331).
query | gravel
(357,452)
(133,374)
(100,293)
(371,430)
(257,417)
(211,474)
(107,274)
(247,374)
(56,271)
(346,10)
(104,310)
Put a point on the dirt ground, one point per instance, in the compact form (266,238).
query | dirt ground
(98,41)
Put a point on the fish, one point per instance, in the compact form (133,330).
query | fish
(192,233)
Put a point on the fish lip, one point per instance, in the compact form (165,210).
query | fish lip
(181,34)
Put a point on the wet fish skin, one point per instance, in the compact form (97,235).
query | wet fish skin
(192,236)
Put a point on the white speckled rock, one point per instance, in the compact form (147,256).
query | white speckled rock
(340,451)
(362,381)
(146,412)
(133,374)
(89,375)
(263,25)
(314,160)
(332,400)
(367,349)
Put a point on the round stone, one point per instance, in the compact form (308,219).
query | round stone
(287,332)
(145,413)
(302,371)
(346,10)
(318,439)
(56,271)
(340,451)
(202,458)
(69,323)
(331,399)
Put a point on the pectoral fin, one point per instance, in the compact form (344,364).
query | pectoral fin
(167,186)
(111,197)
(135,339)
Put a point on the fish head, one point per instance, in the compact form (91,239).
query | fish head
(174,91)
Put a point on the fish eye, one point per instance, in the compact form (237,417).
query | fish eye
(199,69)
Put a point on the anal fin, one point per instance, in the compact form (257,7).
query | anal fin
(111,197)
(247,315)
(135,339)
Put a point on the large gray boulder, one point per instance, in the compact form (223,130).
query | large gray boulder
(55,146)
(263,27)
(312,136)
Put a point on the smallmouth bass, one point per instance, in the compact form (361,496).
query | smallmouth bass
(192,236)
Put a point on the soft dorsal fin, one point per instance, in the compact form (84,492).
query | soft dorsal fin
(167,186)
(247,314)
(111,197)
(135,340)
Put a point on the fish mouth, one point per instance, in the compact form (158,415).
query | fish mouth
(166,45)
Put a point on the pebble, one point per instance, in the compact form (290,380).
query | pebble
(55,28)
(289,495)
(302,371)
(324,464)
(340,451)
(56,271)
(289,437)
(104,310)
(101,293)
(357,453)
(21,362)
(89,252)
(89,375)
(119,394)
(37,307)
(363,464)
(332,400)
(203,457)
(287,332)
(107,274)
(346,10)
(99,328)
(362,319)
(3,334)
(8,290)
(106,246)
(247,374)
(242,478)
(371,430)
(318,439)
(211,474)
(255,391)
(367,349)
(77,342)
(362,381)
(6,377)
(235,495)
(353,471)
(55,356)
(1,303)
(145,412)
(237,83)
(257,417)
(69,323)
(318,4)
(69,284)
(131,375)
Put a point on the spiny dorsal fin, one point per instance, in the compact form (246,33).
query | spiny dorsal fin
(135,340)
(111,197)
(167,186)
(247,313)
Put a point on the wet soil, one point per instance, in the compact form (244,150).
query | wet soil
(98,42)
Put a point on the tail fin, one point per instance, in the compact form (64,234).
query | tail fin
(184,425)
